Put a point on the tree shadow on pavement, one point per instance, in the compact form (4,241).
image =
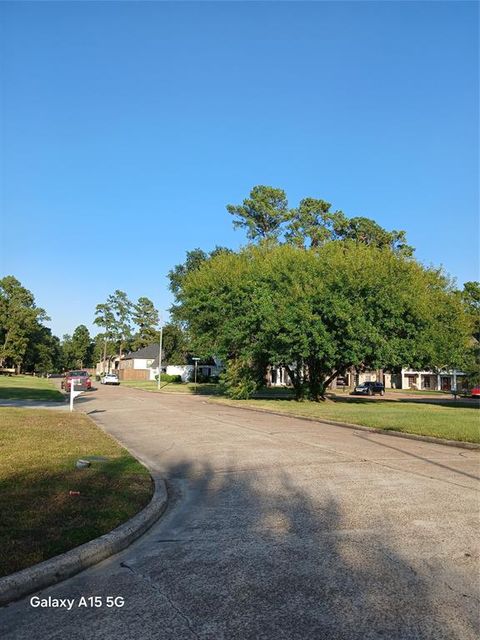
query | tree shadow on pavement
(242,555)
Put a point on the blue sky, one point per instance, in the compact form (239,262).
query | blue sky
(127,128)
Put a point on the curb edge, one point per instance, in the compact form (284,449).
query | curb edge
(347,425)
(59,568)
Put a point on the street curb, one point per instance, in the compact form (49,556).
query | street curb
(49,572)
(358,427)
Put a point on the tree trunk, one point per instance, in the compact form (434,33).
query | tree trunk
(315,386)
(326,382)
(297,382)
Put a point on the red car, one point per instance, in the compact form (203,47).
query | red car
(81,375)
(475,392)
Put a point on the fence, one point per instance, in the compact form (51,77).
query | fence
(133,374)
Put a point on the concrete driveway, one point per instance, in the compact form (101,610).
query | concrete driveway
(278,528)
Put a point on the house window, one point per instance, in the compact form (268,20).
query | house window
(149,363)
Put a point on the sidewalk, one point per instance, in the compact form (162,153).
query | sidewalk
(35,404)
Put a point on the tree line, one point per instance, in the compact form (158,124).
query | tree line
(129,326)
(318,293)
(27,345)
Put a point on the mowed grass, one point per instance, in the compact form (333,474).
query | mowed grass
(204,388)
(28,388)
(448,422)
(38,452)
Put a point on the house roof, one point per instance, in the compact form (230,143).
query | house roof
(146,352)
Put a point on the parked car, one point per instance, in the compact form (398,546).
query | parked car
(369,388)
(110,378)
(475,392)
(80,374)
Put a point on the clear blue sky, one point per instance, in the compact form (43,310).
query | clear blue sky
(127,128)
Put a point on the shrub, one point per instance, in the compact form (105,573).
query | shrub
(240,379)
(165,377)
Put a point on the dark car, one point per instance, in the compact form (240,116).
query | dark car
(369,388)
(78,374)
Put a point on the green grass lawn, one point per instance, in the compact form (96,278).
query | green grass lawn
(450,422)
(28,388)
(39,519)
(173,387)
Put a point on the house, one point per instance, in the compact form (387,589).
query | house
(110,364)
(442,380)
(206,369)
(140,364)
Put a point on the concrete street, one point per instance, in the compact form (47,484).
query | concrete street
(278,528)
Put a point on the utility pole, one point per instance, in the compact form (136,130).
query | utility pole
(160,358)
(104,353)
(195,360)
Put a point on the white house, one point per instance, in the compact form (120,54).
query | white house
(140,364)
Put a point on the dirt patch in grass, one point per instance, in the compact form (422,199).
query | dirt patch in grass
(29,388)
(39,518)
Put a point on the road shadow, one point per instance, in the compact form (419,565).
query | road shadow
(245,557)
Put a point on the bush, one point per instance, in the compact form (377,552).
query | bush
(240,379)
(165,377)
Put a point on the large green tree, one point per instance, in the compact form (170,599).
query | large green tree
(44,352)
(78,348)
(20,320)
(115,318)
(320,312)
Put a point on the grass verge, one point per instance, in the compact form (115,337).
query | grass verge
(37,471)
(28,388)
(440,421)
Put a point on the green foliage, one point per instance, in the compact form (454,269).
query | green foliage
(470,297)
(174,344)
(78,349)
(101,347)
(146,317)
(193,261)
(165,377)
(115,318)
(82,347)
(312,223)
(239,380)
(44,352)
(20,322)
(368,232)
(263,213)
(320,312)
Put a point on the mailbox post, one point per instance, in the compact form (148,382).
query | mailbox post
(74,393)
